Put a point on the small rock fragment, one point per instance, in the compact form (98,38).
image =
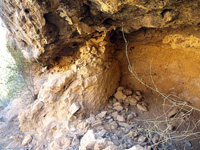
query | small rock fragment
(101,133)
(120,96)
(118,108)
(131,100)
(114,115)
(102,114)
(141,107)
(126,125)
(142,139)
(138,98)
(113,125)
(27,140)
(120,118)
(130,117)
(97,123)
(100,144)
(88,140)
(127,92)
(117,104)
(74,108)
(91,119)
(132,134)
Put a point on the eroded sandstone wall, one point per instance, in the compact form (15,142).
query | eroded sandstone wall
(79,52)
(166,60)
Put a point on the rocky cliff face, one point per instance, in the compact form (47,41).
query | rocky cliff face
(78,49)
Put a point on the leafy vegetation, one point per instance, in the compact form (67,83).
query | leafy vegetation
(18,76)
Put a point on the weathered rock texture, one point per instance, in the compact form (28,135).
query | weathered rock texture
(79,50)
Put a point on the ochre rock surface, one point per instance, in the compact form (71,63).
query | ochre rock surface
(78,50)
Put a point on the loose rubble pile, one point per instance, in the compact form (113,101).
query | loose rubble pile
(116,127)
(110,129)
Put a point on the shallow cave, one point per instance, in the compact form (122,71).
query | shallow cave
(125,74)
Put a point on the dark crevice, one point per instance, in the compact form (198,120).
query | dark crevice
(26,10)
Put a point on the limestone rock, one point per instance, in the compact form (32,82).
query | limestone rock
(114,115)
(74,108)
(121,118)
(129,117)
(142,108)
(131,100)
(36,107)
(127,92)
(96,123)
(120,95)
(27,140)
(88,140)
(102,114)
(100,144)
(142,139)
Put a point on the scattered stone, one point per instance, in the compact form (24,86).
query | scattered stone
(100,144)
(132,134)
(131,100)
(138,98)
(91,119)
(126,125)
(82,126)
(127,92)
(142,139)
(88,140)
(134,114)
(101,133)
(27,140)
(114,115)
(74,108)
(172,113)
(144,103)
(141,107)
(97,123)
(130,117)
(118,108)
(187,143)
(113,125)
(99,128)
(117,104)
(138,93)
(121,118)
(120,96)
(155,139)
(102,114)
